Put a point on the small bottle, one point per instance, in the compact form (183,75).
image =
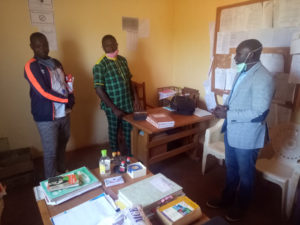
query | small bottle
(104,164)
(114,158)
(128,160)
(69,81)
(122,168)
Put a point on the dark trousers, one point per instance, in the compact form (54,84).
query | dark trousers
(113,125)
(240,174)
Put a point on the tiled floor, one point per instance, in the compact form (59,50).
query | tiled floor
(21,209)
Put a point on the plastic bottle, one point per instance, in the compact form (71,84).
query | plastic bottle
(104,164)
(122,168)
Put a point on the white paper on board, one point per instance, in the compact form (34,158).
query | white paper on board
(132,40)
(230,76)
(295,70)
(38,5)
(220,78)
(223,40)
(144,28)
(286,13)
(41,17)
(273,62)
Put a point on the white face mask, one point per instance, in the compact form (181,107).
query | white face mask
(242,67)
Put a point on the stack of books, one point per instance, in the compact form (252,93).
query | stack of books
(68,185)
(160,120)
(149,192)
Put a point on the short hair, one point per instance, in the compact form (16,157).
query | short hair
(252,44)
(107,37)
(36,35)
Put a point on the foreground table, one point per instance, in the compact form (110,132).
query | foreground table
(47,211)
(150,144)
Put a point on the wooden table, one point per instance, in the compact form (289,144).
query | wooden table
(150,144)
(47,211)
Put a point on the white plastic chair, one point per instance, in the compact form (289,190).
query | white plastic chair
(283,168)
(214,144)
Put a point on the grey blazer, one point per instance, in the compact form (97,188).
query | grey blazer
(250,99)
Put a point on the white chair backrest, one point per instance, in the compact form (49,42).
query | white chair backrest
(286,143)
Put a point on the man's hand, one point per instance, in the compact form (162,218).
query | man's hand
(220,111)
(119,113)
(71,101)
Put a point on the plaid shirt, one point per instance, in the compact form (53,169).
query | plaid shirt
(114,76)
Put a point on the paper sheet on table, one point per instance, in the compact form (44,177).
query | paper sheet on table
(273,62)
(220,78)
(87,213)
(161,184)
(201,112)
(286,13)
(295,70)
(284,91)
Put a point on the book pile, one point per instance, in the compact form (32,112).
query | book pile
(68,185)
(149,192)
(160,120)
(182,210)
(166,93)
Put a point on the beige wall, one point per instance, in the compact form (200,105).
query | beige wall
(176,53)
(80,26)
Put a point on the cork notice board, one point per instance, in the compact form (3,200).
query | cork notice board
(259,19)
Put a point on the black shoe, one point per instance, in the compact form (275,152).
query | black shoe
(216,204)
(234,214)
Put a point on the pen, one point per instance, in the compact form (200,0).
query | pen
(112,203)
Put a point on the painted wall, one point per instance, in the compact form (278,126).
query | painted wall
(80,27)
(176,53)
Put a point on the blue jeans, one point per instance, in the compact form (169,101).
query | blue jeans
(240,173)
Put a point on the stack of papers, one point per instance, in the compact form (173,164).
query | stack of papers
(166,93)
(201,112)
(149,192)
(87,182)
(160,120)
(92,212)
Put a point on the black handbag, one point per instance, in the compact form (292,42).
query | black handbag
(183,105)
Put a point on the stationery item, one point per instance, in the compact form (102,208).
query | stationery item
(148,192)
(112,181)
(160,120)
(137,169)
(87,182)
(140,115)
(62,182)
(180,211)
(88,213)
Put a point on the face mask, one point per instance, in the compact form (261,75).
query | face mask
(241,67)
(113,54)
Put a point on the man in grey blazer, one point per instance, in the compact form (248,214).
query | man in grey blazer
(245,129)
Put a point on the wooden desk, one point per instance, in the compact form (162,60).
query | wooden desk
(47,211)
(153,145)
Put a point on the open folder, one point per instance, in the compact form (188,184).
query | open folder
(88,213)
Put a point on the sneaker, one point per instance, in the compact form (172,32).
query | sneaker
(234,215)
(216,204)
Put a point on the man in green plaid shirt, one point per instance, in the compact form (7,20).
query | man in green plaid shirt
(112,81)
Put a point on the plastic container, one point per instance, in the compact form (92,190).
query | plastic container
(104,164)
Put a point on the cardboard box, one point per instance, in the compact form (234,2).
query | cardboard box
(137,169)
(181,211)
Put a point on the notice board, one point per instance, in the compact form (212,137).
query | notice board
(268,22)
